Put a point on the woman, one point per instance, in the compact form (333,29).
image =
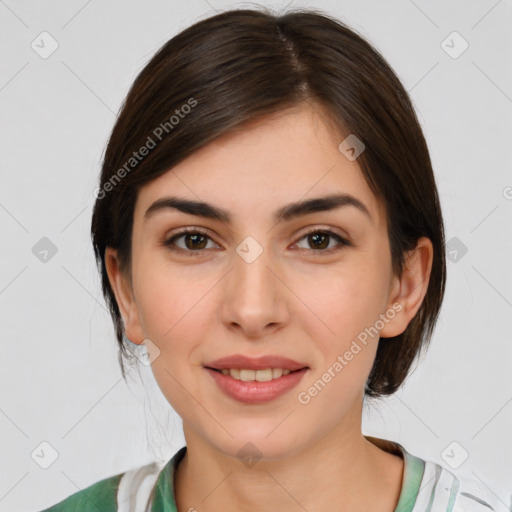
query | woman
(268,226)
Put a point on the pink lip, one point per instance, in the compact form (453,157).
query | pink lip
(254,392)
(242,362)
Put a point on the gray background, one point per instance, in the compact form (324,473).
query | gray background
(60,382)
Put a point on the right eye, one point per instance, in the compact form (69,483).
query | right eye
(194,238)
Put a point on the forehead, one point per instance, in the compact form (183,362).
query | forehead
(270,161)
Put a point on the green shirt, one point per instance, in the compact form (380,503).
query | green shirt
(426,487)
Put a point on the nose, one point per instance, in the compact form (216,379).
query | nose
(254,296)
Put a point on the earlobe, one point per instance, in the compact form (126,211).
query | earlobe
(410,289)
(124,297)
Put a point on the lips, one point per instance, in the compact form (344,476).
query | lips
(260,363)
(253,392)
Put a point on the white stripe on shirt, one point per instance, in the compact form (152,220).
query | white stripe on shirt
(135,488)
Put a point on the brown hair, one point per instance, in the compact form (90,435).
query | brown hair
(240,64)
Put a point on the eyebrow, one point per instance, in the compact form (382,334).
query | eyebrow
(285,213)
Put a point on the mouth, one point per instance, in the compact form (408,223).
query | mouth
(253,387)
(259,375)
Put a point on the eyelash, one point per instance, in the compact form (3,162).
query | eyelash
(169,243)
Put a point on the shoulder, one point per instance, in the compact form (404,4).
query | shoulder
(125,491)
(472,495)
(444,490)
(99,496)
(429,486)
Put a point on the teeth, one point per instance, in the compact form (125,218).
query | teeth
(234,373)
(257,375)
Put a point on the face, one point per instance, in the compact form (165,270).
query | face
(303,287)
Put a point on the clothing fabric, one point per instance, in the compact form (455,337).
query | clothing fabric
(426,487)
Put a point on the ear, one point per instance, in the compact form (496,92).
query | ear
(123,292)
(409,289)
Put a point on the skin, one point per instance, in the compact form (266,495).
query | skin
(294,300)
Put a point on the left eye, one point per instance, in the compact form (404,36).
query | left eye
(318,240)
(196,240)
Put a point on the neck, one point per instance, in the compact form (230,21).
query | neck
(342,468)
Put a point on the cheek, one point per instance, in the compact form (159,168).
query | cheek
(341,302)
(170,299)
(173,314)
